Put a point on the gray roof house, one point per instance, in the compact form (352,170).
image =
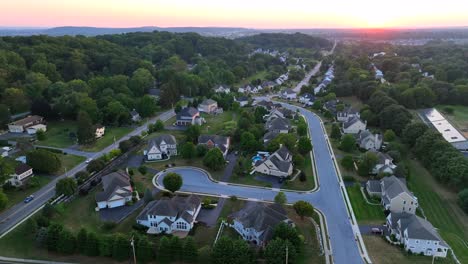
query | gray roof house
(396,197)
(354,126)
(347,113)
(116,190)
(165,215)
(368,141)
(384,164)
(281,125)
(416,234)
(269,136)
(188,116)
(208,106)
(279,164)
(161,147)
(135,116)
(256,222)
(212,141)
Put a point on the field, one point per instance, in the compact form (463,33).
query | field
(459,117)
(112,133)
(216,124)
(365,213)
(58,134)
(353,101)
(441,209)
(69,162)
(309,184)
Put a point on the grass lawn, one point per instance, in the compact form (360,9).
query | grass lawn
(249,180)
(57,134)
(459,117)
(216,124)
(365,213)
(440,208)
(382,252)
(16,196)
(353,101)
(108,138)
(69,162)
(307,185)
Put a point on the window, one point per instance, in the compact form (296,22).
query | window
(404,202)
(181,225)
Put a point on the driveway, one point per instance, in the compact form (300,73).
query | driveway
(232,159)
(210,216)
(118,214)
(135,161)
(367,229)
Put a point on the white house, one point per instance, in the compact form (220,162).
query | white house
(32,130)
(117,190)
(354,126)
(256,222)
(189,116)
(396,197)
(416,234)
(100,131)
(21,125)
(222,89)
(4,152)
(208,106)
(384,164)
(306,98)
(135,116)
(161,147)
(368,141)
(22,173)
(243,101)
(167,216)
(279,164)
(347,114)
(289,94)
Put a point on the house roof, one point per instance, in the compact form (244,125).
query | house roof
(289,91)
(219,141)
(374,186)
(187,112)
(308,96)
(352,121)
(270,135)
(416,227)
(208,102)
(154,92)
(393,186)
(169,139)
(284,152)
(281,165)
(134,113)
(177,206)
(242,99)
(22,168)
(115,183)
(27,120)
(278,124)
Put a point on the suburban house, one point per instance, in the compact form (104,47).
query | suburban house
(321,87)
(347,114)
(243,100)
(188,116)
(306,98)
(368,141)
(135,116)
(331,106)
(268,84)
(289,94)
(396,197)
(100,131)
(374,188)
(167,216)
(215,141)
(280,113)
(4,152)
(270,135)
(208,106)
(378,74)
(22,173)
(32,130)
(354,126)
(222,89)
(155,93)
(268,105)
(245,89)
(117,190)
(161,147)
(20,126)
(384,164)
(416,234)
(256,222)
(278,164)
(280,125)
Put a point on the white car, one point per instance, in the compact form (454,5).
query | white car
(89,160)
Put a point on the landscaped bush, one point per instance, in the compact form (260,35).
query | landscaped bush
(143,170)
(302,177)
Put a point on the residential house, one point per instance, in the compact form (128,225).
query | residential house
(4,152)
(215,141)
(268,105)
(32,130)
(243,101)
(161,147)
(167,216)
(306,98)
(256,222)
(222,89)
(374,188)
(100,131)
(208,106)
(331,105)
(21,125)
(135,116)
(354,126)
(22,159)
(321,87)
(368,141)
(378,74)
(280,113)
(268,84)
(188,116)
(417,235)
(278,164)
(384,164)
(347,113)
(281,125)
(396,197)
(245,89)
(117,190)
(270,135)
(155,93)
(289,94)
(22,173)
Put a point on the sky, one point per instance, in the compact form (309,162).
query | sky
(261,14)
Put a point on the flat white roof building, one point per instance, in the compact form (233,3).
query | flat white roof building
(448,131)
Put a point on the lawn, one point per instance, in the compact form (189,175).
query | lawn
(259,75)
(217,124)
(307,185)
(112,133)
(16,196)
(353,101)
(382,252)
(365,213)
(459,117)
(249,180)
(58,134)
(440,207)
(69,162)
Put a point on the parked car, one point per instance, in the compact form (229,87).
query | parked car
(29,199)
(377,231)
(89,160)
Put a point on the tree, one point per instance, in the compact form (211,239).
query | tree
(288,140)
(463,199)
(92,245)
(298,160)
(192,133)
(281,199)
(148,195)
(53,233)
(275,252)
(302,129)
(3,200)
(66,186)
(86,133)
(412,132)
(4,115)
(125,145)
(120,247)
(348,143)
(144,250)
(141,81)
(287,232)
(147,106)
(367,163)
(188,150)
(105,245)
(172,181)
(335,132)
(214,159)
(248,142)
(82,240)
(304,146)
(95,165)
(347,162)
(48,211)
(164,249)
(389,135)
(189,250)
(43,161)
(66,243)
(303,208)
(6,169)
(395,117)
(175,248)
(229,251)
(41,135)
(201,150)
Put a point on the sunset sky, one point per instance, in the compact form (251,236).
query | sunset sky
(237,13)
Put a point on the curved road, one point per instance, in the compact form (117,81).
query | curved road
(328,198)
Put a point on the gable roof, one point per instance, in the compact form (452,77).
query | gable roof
(169,139)
(416,227)
(176,206)
(242,99)
(374,185)
(278,124)
(393,187)
(281,165)
(187,112)
(114,184)
(27,120)
(22,168)
(208,102)
(220,142)
(270,135)
(352,121)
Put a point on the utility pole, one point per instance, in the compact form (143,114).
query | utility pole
(132,243)
(433,258)
(286,254)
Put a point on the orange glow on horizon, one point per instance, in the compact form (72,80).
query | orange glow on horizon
(241,13)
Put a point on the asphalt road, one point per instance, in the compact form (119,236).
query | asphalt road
(309,75)
(18,212)
(328,198)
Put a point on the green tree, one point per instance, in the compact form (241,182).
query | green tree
(303,208)
(82,240)
(92,245)
(43,161)
(188,150)
(172,181)
(248,142)
(147,106)
(53,234)
(49,210)
(6,169)
(192,133)
(214,159)
(86,133)
(298,160)
(281,199)
(335,132)
(3,200)
(287,232)
(302,129)
(304,145)
(347,162)
(148,195)
(463,199)
(175,248)
(275,252)
(95,165)
(201,150)
(367,163)
(164,249)
(348,143)
(41,135)
(4,115)
(412,132)
(120,247)
(288,140)
(105,245)
(144,250)
(389,135)
(141,81)
(66,186)
(229,251)
(66,242)
(190,252)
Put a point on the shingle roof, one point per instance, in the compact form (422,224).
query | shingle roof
(352,121)
(208,102)
(284,153)
(169,139)
(278,124)
(115,183)
(374,186)
(22,168)
(220,142)
(175,207)
(270,135)
(187,112)
(416,227)
(393,187)
(282,166)
(27,120)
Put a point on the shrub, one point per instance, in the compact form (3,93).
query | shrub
(108,226)
(302,177)
(143,170)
